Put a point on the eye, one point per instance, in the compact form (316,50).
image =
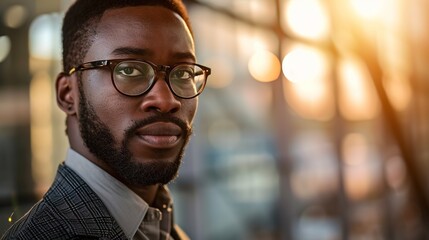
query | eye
(183,74)
(133,69)
(129,71)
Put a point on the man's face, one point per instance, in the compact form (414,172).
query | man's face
(137,139)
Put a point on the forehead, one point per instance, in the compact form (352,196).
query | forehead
(152,32)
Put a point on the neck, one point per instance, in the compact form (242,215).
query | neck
(147,193)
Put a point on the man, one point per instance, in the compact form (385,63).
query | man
(129,91)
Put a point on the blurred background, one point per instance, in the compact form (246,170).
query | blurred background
(314,124)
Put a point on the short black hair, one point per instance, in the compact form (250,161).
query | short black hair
(81,19)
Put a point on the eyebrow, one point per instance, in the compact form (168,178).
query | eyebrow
(147,52)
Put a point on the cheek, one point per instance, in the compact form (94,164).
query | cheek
(113,113)
(191,108)
(107,103)
(100,92)
(114,117)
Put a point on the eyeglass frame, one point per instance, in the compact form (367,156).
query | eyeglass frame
(112,63)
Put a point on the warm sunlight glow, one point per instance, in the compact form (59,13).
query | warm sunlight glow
(260,10)
(307,18)
(264,66)
(367,9)
(311,101)
(304,64)
(308,90)
(250,39)
(399,91)
(357,97)
(397,67)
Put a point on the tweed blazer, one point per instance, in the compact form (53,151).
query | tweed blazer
(69,210)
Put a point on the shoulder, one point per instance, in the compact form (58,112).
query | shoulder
(39,223)
(69,209)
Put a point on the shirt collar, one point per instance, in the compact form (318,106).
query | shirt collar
(126,207)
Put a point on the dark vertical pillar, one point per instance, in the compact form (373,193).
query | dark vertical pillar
(338,133)
(283,133)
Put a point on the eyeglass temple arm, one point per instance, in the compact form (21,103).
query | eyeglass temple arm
(89,65)
(206,71)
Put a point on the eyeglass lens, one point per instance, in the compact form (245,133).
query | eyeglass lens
(135,77)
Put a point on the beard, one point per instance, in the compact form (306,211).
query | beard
(101,142)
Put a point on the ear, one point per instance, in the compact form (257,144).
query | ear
(66,90)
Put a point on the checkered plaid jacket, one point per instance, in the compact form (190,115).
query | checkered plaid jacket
(69,210)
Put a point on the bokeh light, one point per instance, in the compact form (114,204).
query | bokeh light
(15,16)
(358,178)
(264,66)
(367,9)
(5,46)
(307,18)
(308,89)
(362,170)
(304,64)
(45,35)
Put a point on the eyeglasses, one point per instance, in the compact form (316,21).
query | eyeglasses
(135,77)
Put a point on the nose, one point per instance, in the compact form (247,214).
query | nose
(160,98)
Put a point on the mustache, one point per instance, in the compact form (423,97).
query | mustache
(160,117)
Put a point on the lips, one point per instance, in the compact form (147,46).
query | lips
(160,134)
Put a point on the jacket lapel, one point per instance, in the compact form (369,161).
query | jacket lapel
(80,208)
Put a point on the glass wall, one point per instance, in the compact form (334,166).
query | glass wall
(313,125)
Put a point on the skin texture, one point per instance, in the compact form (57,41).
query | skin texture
(152,33)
